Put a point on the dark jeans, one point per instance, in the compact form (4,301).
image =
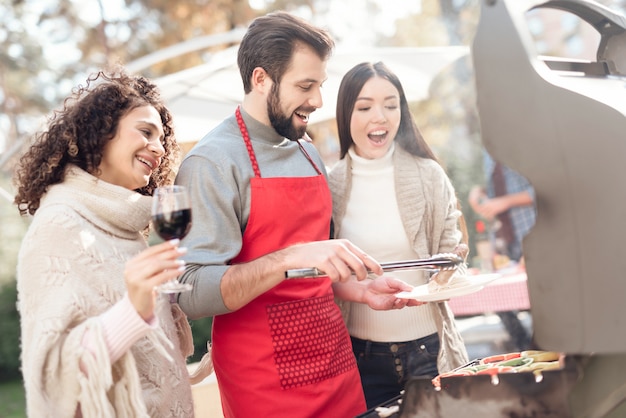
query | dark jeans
(520,338)
(385,367)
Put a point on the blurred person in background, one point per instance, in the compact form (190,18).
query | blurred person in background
(506,202)
(96,338)
(393,199)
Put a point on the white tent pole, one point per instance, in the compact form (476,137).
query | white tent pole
(6,195)
(194,44)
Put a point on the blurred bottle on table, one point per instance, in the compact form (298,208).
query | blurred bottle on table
(484,247)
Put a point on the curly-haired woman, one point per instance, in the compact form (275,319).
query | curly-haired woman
(97,340)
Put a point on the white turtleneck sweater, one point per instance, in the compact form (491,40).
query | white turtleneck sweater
(372,221)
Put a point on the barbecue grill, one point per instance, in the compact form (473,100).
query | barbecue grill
(562,124)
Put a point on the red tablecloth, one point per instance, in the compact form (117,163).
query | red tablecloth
(508,293)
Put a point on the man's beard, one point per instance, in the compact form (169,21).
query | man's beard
(281,123)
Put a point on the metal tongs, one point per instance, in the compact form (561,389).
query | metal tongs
(445,261)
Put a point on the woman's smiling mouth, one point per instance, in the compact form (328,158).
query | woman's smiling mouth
(148,162)
(378,137)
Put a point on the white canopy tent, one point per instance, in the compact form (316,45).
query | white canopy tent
(203,96)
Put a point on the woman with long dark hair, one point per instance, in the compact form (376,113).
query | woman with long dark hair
(393,199)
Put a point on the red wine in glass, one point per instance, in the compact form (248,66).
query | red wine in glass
(172,225)
(171,217)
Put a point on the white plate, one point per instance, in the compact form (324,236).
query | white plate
(475,283)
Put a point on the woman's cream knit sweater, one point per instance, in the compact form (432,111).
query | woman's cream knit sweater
(70,270)
(427,205)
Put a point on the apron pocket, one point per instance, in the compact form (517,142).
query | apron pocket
(310,341)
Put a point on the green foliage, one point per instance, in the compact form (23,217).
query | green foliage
(12,400)
(10,332)
(201,331)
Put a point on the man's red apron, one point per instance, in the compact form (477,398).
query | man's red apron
(287,353)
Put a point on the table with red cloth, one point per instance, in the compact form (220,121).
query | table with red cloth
(507,293)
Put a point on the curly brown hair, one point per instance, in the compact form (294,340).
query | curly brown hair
(78,132)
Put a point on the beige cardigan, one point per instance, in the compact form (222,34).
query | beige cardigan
(70,270)
(429,213)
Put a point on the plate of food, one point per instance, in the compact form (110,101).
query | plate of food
(457,286)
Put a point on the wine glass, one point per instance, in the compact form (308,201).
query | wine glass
(171,217)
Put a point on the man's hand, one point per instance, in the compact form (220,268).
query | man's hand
(339,259)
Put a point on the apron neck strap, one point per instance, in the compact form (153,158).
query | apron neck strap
(246,138)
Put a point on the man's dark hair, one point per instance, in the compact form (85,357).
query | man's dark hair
(270,42)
